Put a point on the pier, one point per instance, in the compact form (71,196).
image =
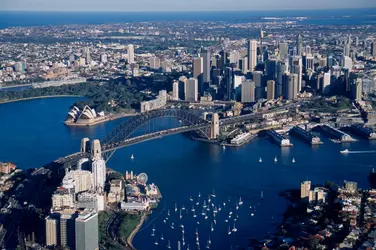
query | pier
(337,134)
(364,132)
(279,139)
(307,136)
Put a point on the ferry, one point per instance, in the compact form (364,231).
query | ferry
(346,151)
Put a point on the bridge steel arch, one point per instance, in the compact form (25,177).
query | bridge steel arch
(125,130)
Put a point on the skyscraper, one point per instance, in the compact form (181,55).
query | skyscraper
(248,91)
(154,62)
(357,89)
(260,88)
(282,67)
(261,34)
(325,85)
(86,227)
(305,186)
(289,85)
(51,231)
(299,44)
(130,54)
(229,81)
(252,55)
(175,90)
(244,65)
(206,66)
(346,49)
(297,68)
(373,49)
(191,93)
(283,49)
(270,90)
(271,69)
(67,230)
(197,67)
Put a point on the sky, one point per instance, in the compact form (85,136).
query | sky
(179,5)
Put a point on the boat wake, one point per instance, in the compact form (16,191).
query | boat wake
(361,152)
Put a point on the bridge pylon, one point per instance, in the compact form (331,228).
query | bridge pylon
(214,127)
(85,145)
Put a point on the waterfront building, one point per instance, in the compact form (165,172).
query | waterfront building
(241,138)
(7,167)
(214,127)
(270,90)
(317,195)
(159,102)
(279,139)
(99,173)
(86,227)
(51,231)
(350,186)
(305,187)
(248,91)
(198,67)
(252,55)
(130,54)
(206,65)
(175,90)
(116,193)
(191,90)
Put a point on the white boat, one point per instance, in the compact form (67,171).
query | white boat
(293,160)
(132,157)
(346,151)
(240,201)
(198,223)
(204,205)
(262,195)
(213,194)
(203,213)
(172,226)
(176,208)
(208,244)
(164,221)
(169,244)
(237,207)
(194,215)
(180,216)
(156,241)
(252,214)
(215,222)
(206,217)
(226,221)
(197,203)
(275,159)
(209,200)
(162,238)
(230,213)
(229,230)
(168,212)
(224,147)
(183,208)
(199,194)
(260,160)
(190,198)
(211,227)
(234,229)
(193,209)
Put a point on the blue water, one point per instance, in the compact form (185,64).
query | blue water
(20,18)
(32,133)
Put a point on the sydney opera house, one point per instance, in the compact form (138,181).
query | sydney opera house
(86,116)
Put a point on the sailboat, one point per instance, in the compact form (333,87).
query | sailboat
(193,208)
(204,206)
(209,200)
(183,207)
(224,147)
(162,238)
(197,241)
(260,160)
(194,215)
(199,194)
(169,244)
(234,229)
(132,157)
(176,208)
(262,195)
(208,244)
(240,201)
(293,160)
(237,207)
(156,241)
(168,212)
(180,216)
(190,198)
(213,194)
(153,233)
(172,226)
(229,231)
(275,159)
(212,228)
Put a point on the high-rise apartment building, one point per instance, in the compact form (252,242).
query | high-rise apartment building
(252,55)
(270,90)
(206,65)
(299,44)
(175,90)
(52,226)
(130,54)
(198,67)
(305,187)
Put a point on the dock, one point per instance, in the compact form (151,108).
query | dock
(279,139)
(362,131)
(337,134)
(305,135)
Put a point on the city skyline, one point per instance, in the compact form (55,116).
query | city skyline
(169,5)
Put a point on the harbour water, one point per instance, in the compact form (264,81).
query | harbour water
(32,133)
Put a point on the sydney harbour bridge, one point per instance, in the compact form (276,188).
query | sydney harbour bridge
(124,135)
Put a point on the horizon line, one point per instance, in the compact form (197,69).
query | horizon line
(124,11)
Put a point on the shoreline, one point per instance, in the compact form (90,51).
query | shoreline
(134,232)
(38,97)
(102,120)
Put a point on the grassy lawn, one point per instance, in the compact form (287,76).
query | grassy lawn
(130,221)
